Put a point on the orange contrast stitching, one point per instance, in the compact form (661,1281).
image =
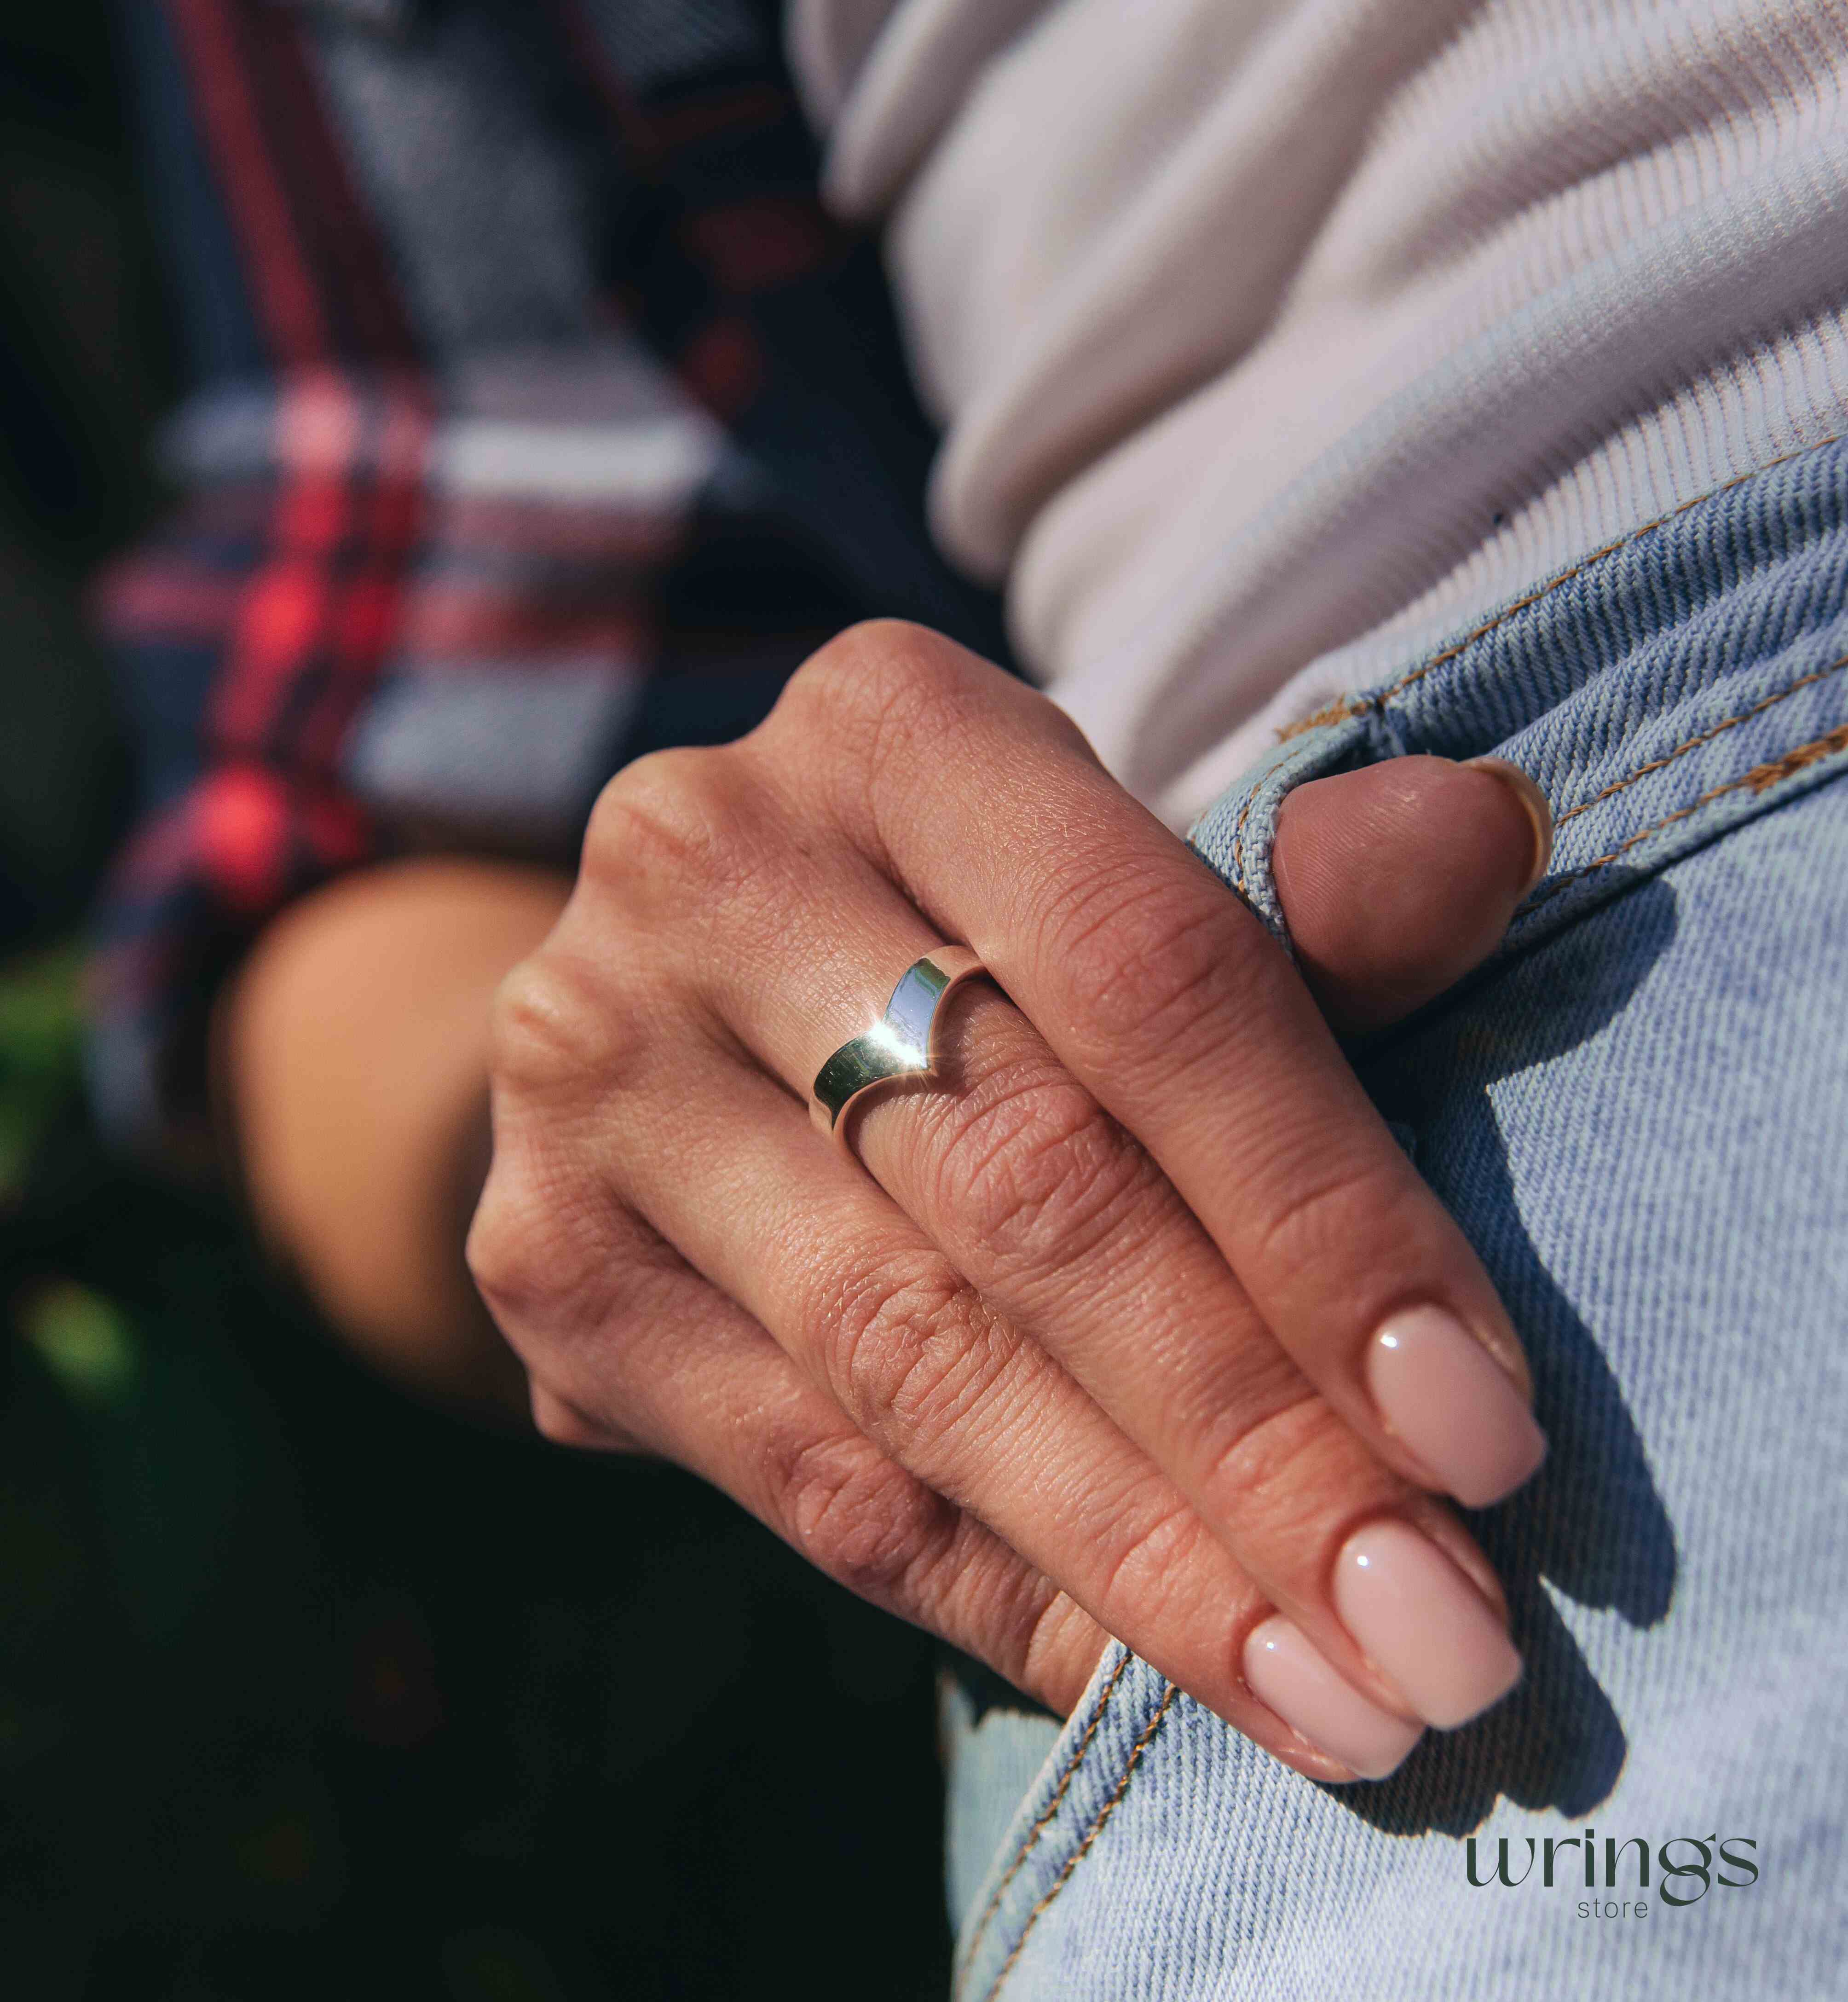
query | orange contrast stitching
(1039,1827)
(1338,711)
(1078,1855)
(1238,843)
(1760,778)
(1349,706)
(1706,737)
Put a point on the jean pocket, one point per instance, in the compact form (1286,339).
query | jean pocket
(1672,688)
(1080,1785)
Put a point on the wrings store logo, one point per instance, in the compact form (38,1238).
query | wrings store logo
(1686,1867)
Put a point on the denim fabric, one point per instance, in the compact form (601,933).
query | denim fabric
(1639,1110)
(991,1758)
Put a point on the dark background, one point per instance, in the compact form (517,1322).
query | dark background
(304,1691)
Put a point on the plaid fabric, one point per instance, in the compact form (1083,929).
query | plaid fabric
(541,417)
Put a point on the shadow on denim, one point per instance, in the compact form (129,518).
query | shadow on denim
(1591,1524)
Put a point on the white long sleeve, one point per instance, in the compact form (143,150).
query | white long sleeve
(1275,338)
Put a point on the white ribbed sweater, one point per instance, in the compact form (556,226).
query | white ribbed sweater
(1274,339)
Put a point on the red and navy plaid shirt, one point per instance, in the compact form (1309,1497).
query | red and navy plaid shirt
(540,417)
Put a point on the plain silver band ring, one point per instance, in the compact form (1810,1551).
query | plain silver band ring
(902,1045)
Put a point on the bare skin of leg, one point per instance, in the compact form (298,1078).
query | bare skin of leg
(354,1044)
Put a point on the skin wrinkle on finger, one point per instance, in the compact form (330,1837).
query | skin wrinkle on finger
(557,1020)
(1014,1142)
(1061,1149)
(909,1347)
(904,1362)
(673,821)
(1155,961)
(889,1540)
(880,1533)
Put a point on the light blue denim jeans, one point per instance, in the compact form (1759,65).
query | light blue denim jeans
(1639,1110)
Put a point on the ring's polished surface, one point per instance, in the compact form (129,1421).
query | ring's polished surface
(899,1045)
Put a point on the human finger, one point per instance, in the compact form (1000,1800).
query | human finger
(1398,879)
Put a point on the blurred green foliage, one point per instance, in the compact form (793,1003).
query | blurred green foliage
(40,1041)
(87,1344)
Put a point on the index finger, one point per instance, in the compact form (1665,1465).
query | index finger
(1168,1000)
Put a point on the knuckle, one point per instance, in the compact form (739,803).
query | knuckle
(860,1518)
(525,1245)
(881,682)
(573,1281)
(1037,1168)
(864,668)
(543,1031)
(582,1022)
(911,1349)
(669,820)
(1051,1649)
(501,1250)
(549,1247)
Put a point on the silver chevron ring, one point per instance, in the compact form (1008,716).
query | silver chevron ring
(899,1045)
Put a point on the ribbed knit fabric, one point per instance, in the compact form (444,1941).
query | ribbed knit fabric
(1275,337)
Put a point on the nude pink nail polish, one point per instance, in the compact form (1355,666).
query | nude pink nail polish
(1440,1391)
(1286,1670)
(1422,1624)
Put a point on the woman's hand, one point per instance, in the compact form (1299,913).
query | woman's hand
(1136,1320)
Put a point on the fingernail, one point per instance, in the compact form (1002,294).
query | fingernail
(1440,1391)
(1534,804)
(1285,1669)
(1422,1624)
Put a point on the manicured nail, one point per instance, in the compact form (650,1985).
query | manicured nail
(1534,804)
(1422,1624)
(1286,1670)
(1443,1394)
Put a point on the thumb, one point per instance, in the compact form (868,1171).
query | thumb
(1398,879)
